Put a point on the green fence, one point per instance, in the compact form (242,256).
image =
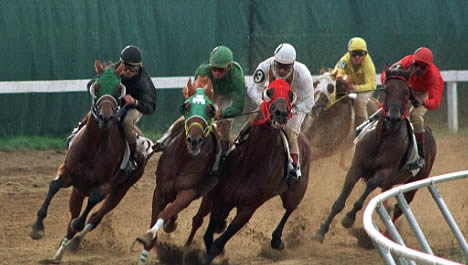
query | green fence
(59,40)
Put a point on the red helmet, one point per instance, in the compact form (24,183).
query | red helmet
(423,55)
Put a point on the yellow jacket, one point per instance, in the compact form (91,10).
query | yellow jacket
(364,77)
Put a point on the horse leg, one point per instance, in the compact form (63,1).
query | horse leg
(276,241)
(94,198)
(78,224)
(149,239)
(37,231)
(338,205)
(75,203)
(350,217)
(242,217)
(197,220)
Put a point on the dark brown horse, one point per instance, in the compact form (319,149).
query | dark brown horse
(253,173)
(381,154)
(92,164)
(332,127)
(183,172)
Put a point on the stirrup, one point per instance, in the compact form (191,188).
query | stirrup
(418,164)
(131,166)
(294,175)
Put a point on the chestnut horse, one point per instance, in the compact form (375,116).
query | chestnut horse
(332,125)
(92,164)
(381,154)
(183,172)
(254,172)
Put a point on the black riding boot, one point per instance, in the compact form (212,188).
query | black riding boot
(132,164)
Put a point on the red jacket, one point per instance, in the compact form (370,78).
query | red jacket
(430,81)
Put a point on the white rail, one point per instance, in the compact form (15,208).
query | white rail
(47,86)
(388,248)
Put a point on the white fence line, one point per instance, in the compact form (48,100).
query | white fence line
(451,77)
(390,246)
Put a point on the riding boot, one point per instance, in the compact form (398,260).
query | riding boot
(294,176)
(77,128)
(421,163)
(132,164)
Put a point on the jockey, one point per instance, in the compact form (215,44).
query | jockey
(284,65)
(229,90)
(426,88)
(357,63)
(140,97)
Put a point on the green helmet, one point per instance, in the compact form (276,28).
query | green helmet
(220,57)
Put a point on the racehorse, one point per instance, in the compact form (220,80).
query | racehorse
(332,127)
(183,171)
(92,164)
(254,172)
(381,154)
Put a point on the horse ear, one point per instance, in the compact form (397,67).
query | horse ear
(209,88)
(98,67)
(334,74)
(186,90)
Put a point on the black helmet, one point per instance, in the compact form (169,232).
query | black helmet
(131,55)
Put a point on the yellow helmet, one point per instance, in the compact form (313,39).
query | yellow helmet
(358,44)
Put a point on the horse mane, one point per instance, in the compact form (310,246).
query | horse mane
(201,82)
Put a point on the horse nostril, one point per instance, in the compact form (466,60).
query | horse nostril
(189,140)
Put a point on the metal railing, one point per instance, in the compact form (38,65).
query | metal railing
(396,252)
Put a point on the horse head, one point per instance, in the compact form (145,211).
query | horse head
(106,91)
(278,99)
(395,96)
(198,113)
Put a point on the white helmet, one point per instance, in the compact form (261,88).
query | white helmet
(285,54)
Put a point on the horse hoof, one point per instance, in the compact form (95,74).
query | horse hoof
(36,233)
(146,240)
(347,222)
(277,244)
(170,227)
(49,261)
(318,236)
(74,244)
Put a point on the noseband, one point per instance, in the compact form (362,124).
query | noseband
(103,100)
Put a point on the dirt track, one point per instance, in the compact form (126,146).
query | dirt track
(24,178)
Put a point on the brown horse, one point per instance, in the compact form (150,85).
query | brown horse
(332,127)
(381,154)
(254,172)
(92,164)
(183,172)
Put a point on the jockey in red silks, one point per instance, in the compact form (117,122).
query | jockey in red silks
(426,87)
